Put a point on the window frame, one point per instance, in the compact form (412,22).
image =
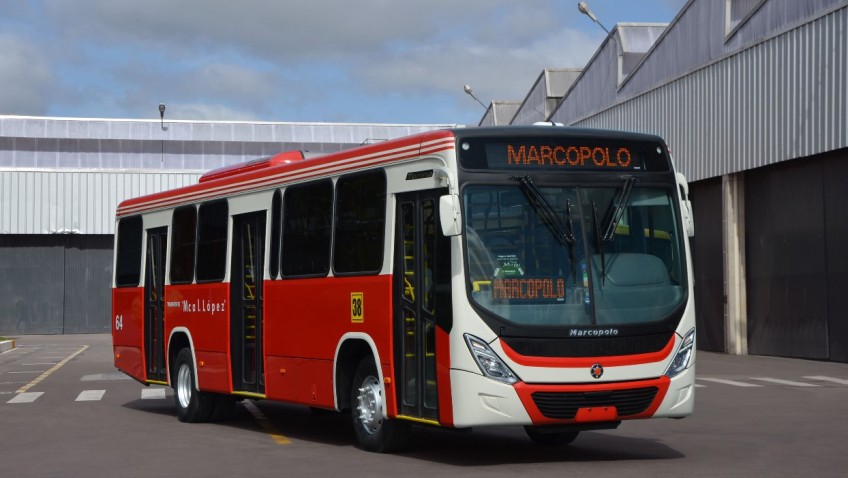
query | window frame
(121,258)
(178,244)
(342,244)
(215,245)
(304,235)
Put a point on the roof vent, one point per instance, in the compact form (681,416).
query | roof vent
(255,165)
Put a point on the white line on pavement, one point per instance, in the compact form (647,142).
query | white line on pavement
(152,393)
(784,382)
(26,397)
(828,379)
(728,382)
(90,395)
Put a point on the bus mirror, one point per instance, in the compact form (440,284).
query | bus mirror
(449,215)
(686,205)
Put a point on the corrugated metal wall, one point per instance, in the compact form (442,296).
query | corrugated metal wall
(796,257)
(138,144)
(55,284)
(781,99)
(80,202)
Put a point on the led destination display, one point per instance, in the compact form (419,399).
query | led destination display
(562,154)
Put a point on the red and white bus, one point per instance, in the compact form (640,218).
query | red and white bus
(533,276)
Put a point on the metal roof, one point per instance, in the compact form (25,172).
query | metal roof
(550,87)
(772,88)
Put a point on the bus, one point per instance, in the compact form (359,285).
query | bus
(534,276)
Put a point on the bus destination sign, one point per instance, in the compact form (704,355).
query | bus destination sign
(528,155)
(562,154)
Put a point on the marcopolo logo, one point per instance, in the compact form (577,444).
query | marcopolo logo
(593,333)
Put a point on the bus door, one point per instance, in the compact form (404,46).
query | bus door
(154,304)
(421,301)
(246,299)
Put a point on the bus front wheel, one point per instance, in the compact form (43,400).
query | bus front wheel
(373,432)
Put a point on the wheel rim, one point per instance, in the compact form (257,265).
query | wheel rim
(369,405)
(184,385)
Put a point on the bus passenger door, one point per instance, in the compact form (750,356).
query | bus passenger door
(154,304)
(421,269)
(246,311)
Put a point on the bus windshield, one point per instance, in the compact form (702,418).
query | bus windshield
(573,256)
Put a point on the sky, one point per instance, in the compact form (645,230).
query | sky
(341,61)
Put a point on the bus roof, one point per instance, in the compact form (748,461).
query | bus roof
(270,172)
(243,179)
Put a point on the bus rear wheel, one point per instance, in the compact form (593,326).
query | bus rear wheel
(373,432)
(193,406)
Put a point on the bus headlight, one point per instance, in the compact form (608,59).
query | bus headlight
(490,364)
(684,355)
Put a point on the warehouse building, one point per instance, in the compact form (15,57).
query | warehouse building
(61,180)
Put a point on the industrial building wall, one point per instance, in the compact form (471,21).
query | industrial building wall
(796,230)
(781,99)
(55,284)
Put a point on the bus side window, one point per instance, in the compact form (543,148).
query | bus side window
(307,229)
(360,223)
(184,239)
(128,259)
(276,233)
(212,241)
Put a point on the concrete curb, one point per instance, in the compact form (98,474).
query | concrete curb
(7,345)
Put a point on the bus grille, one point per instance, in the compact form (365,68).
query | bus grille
(564,405)
(589,347)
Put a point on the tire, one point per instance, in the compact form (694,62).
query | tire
(550,438)
(373,432)
(193,406)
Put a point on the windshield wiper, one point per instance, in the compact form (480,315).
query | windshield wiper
(564,234)
(618,208)
(599,243)
(549,216)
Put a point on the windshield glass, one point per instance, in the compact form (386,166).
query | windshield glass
(522,268)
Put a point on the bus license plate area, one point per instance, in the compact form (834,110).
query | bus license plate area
(596,414)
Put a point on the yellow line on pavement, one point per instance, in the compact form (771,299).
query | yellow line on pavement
(265,423)
(53,369)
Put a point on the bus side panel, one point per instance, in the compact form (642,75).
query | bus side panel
(280,377)
(306,318)
(128,331)
(314,382)
(212,371)
(203,310)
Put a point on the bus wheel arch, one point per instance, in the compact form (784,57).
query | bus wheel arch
(179,340)
(350,352)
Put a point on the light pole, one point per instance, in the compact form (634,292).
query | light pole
(584,9)
(162,140)
(162,115)
(470,93)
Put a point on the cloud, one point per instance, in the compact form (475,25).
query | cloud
(25,76)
